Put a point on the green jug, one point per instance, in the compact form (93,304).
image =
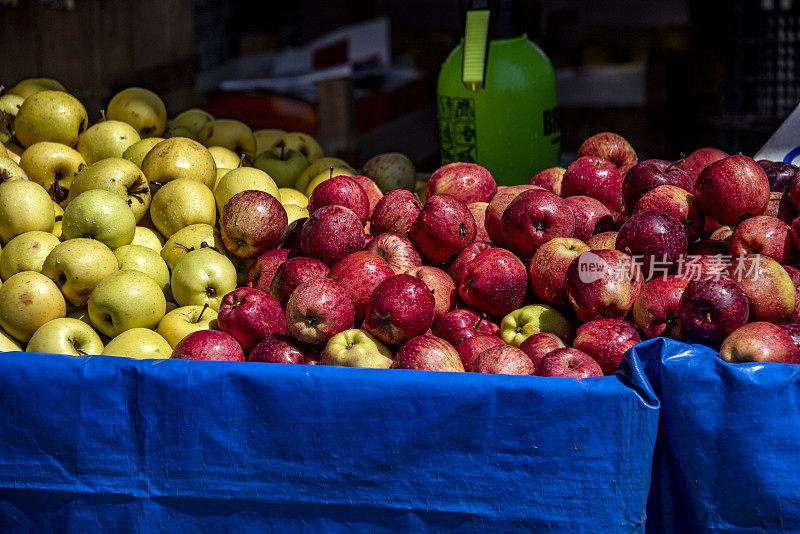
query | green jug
(496,96)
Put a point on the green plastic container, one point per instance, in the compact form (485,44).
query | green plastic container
(497,103)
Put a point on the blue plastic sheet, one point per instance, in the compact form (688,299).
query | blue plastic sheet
(123,445)
(728,452)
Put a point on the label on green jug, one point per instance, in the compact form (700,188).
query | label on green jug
(457,129)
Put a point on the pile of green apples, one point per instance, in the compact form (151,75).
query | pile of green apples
(109,230)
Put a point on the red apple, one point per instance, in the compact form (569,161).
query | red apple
(397,250)
(606,341)
(759,342)
(340,191)
(427,353)
(280,348)
(611,147)
(594,177)
(548,268)
(442,287)
(458,267)
(498,205)
(443,228)
(764,235)
(677,203)
(568,363)
(395,213)
(780,174)
(318,310)
(464,323)
(770,291)
(503,359)
(701,158)
(468,182)
(495,282)
(252,222)
(712,308)
(293,234)
(469,349)
(331,233)
(655,311)
(359,273)
(602,284)
(549,179)
(591,216)
(372,190)
(793,273)
(775,206)
(649,174)
(655,239)
(292,273)
(263,270)
(250,315)
(478,210)
(534,218)
(732,189)
(539,345)
(209,345)
(399,308)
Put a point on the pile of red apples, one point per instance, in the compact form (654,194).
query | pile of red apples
(557,277)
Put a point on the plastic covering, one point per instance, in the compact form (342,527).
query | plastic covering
(171,445)
(728,453)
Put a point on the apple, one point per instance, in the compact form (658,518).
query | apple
(149,238)
(145,260)
(293,272)
(649,174)
(655,311)
(193,119)
(701,158)
(180,322)
(478,210)
(77,265)
(549,179)
(780,174)
(252,223)
(293,234)
(568,363)
(390,171)
(764,235)
(10,170)
(428,353)
(263,270)
(202,276)
(24,206)
(603,240)
(138,150)
(53,166)
(26,252)
(496,208)
(283,166)
(179,157)
(443,228)
(759,341)
(243,179)
(27,301)
(712,308)
(359,273)
(539,345)
(101,215)
(190,238)
(442,287)
(793,273)
(140,344)
(732,189)
(460,324)
(106,139)
(654,238)
(29,86)
(678,204)
(769,288)
(9,107)
(115,175)
(141,108)
(318,166)
(374,193)
(606,341)
(396,250)
(229,133)
(65,336)
(399,308)
(528,320)
(331,233)
(495,282)
(591,216)
(250,315)
(126,299)
(395,213)
(209,345)
(318,310)
(594,177)
(280,348)
(323,176)
(180,203)
(458,267)
(340,191)
(779,208)
(50,116)
(603,284)
(534,218)
(468,349)
(468,182)
(548,268)
(503,359)
(300,142)
(356,348)
(611,147)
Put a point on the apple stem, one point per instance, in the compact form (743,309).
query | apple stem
(331,176)
(675,164)
(188,249)
(241,159)
(205,307)
(103,115)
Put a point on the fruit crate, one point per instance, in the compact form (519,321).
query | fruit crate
(179,445)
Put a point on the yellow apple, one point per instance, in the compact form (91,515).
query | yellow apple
(300,142)
(53,166)
(10,170)
(224,158)
(139,343)
(76,266)
(192,237)
(8,343)
(27,301)
(180,203)
(141,108)
(26,252)
(266,138)
(50,116)
(289,195)
(180,157)
(66,336)
(118,176)
(148,238)
(145,260)
(201,277)
(294,212)
(124,300)
(193,119)
(180,322)
(24,206)
(101,215)
(137,151)
(106,139)
(231,134)
(29,86)
(327,175)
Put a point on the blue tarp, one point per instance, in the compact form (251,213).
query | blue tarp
(123,445)
(728,452)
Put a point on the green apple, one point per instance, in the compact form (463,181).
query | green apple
(9,107)
(356,348)
(106,139)
(24,206)
(193,119)
(29,86)
(243,179)
(192,237)
(118,176)
(8,343)
(124,300)
(10,170)
(231,134)
(146,260)
(289,195)
(141,108)
(26,252)
(77,266)
(202,276)
(148,238)
(522,323)
(180,157)
(50,116)
(53,166)
(27,301)
(302,143)
(283,166)
(225,158)
(266,138)
(99,214)
(66,336)
(180,203)
(318,166)
(139,343)
(137,151)
(180,322)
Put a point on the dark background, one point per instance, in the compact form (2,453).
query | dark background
(717,73)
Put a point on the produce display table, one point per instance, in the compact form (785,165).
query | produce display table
(728,454)
(174,445)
